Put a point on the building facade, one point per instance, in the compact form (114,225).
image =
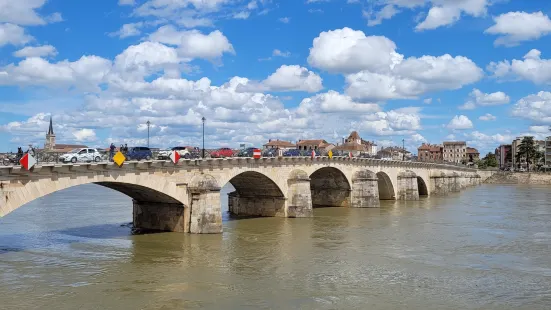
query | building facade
(308,145)
(503,156)
(279,144)
(430,153)
(547,154)
(473,155)
(455,151)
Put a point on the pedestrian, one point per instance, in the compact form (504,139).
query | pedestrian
(125,148)
(122,149)
(30,151)
(111,151)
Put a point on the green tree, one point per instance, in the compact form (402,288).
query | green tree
(491,160)
(527,149)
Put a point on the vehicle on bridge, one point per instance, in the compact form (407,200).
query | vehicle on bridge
(182,150)
(292,152)
(139,153)
(222,153)
(270,153)
(248,152)
(81,155)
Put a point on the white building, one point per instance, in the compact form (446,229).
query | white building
(455,151)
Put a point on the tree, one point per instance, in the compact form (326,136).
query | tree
(491,160)
(527,148)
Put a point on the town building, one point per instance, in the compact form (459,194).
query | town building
(430,153)
(455,151)
(547,154)
(472,155)
(394,153)
(503,156)
(357,146)
(279,144)
(50,144)
(308,145)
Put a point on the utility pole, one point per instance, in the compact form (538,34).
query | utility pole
(403,150)
(203,119)
(148,124)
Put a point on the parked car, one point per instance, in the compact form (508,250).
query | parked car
(138,153)
(222,153)
(248,152)
(82,155)
(292,152)
(182,150)
(270,153)
(309,153)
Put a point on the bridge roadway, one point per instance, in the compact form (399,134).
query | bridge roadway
(185,197)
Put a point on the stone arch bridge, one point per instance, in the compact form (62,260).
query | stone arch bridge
(186,197)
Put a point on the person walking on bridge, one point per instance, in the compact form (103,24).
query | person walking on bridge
(111,151)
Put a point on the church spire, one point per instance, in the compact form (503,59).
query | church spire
(51,129)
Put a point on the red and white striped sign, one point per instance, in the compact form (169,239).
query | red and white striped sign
(313,154)
(350,155)
(175,157)
(257,154)
(27,161)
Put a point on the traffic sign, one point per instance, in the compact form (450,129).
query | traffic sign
(27,161)
(257,154)
(175,157)
(330,154)
(350,155)
(313,154)
(119,158)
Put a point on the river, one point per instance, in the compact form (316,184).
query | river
(487,247)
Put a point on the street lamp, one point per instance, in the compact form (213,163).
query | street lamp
(148,124)
(403,150)
(203,119)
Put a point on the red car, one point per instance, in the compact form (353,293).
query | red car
(222,153)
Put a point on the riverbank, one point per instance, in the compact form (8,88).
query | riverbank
(504,177)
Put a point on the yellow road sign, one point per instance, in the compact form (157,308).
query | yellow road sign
(119,158)
(330,154)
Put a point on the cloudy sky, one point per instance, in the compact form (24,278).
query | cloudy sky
(419,70)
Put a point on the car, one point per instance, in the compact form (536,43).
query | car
(138,153)
(270,153)
(182,150)
(222,153)
(248,152)
(82,155)
(292,152)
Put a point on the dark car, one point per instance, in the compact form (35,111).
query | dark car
(248,152)
(292,152)
(270,153)
(222,153)
(309,153)
(139,153)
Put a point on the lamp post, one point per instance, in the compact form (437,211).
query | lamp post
(403,150)
(148,124)
(203,119)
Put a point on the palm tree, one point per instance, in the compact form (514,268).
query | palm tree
(527,148)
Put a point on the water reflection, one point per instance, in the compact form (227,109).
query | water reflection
(487,248)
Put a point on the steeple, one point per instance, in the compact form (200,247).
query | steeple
(51,129)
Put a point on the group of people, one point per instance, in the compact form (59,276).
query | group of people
(113,148)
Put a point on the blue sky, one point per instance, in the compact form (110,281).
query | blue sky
(419,70)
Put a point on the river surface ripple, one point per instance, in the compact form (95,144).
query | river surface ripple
(487,247)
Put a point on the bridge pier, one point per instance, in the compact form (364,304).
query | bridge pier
(440,183)
(407,186)
(159,216)
(299,202)
(256,205)
(454,184)
(365,190)
(205,215)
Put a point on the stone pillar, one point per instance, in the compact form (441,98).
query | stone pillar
(407,186)
(440,182)
(455,186)
(205,210)
(299,196)
(365,190)
(153,216)
(256,205)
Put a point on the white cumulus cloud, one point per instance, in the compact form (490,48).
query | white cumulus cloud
(478,98)
(516,27)
(460,122)
(36,51)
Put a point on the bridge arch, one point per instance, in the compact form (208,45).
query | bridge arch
(386,189)
(141,188)
(255,195)
(422,187)
(330,187)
